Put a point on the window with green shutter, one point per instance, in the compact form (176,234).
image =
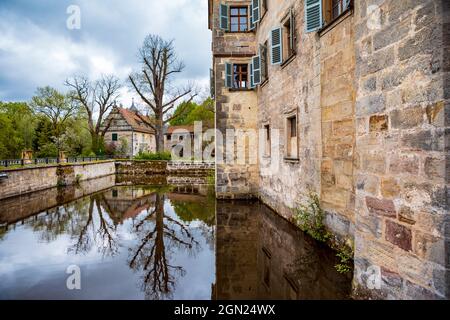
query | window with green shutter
(263,59)
(313,15)
(252,83)
(276,45)
(289,36)
(223,17)
(252,25)
(256,62)
(212,86)
(228,75)
(333,9)
(256,11)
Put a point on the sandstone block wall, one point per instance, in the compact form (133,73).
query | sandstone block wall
(402,210)
(155,168)
(292,89)
(371,97)
(18,208)
(236,110)
(25,180)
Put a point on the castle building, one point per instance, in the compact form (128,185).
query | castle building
(350,101)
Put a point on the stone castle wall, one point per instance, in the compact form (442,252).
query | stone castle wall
(236,110)
(402,210)
(371,97)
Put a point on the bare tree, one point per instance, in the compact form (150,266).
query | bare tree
(96,98)
(153,84)
(158,233)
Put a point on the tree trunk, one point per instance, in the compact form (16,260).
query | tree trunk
(159,135)
(96,142)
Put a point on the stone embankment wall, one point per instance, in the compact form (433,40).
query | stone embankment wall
(24,180)
(14,209)
(172,168)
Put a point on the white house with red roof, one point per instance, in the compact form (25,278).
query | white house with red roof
(128,132)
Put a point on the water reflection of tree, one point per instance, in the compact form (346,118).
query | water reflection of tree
(158,235)
(95,229)
(84,221)
(196,210)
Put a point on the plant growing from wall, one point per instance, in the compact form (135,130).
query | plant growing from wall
(309,218)
(345,253)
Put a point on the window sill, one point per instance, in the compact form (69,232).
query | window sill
(263,84)
(234,32)
(330,26)
(288,60)
(291,160)
(239,89)
(266,156)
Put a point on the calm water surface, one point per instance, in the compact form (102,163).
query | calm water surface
(157,242)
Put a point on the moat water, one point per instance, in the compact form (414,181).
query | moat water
(157,242)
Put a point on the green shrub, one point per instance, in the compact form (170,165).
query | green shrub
(309,218)
(164,155)
(346,255)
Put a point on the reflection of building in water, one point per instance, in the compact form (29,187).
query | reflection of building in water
(288,264)
(123,203)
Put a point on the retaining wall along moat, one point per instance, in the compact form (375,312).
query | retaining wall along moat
(21,181)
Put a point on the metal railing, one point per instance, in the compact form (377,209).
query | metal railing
(44,161)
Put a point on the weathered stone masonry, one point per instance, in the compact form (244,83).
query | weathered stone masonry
(371,95)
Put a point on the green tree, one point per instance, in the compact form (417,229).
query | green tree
(187,115)
(17,124)
(182,112)
(55,106)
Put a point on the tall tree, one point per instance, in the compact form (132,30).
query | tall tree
(154,86)
(97,98)
(17,126)
(55,106)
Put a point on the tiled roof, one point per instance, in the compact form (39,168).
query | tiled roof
(189,128)
(135,121)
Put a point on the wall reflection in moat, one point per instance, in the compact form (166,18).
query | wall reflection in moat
(157,242)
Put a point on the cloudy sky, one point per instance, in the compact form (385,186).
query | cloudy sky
(37,48)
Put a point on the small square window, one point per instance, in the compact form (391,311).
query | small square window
(238,19)
(115,137)
(240,76)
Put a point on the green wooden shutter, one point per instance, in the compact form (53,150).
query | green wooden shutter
(252,82)
(212,85)
(223,17)
(276,45)
(313,15)
(252,25)
(292,31)
(256,62)
(263,59)
(256,11)
(228,75)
